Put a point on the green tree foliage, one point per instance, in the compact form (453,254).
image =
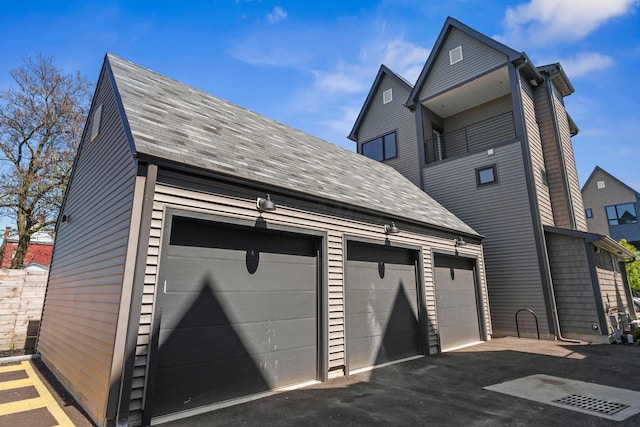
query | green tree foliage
(633,268)
(41,120)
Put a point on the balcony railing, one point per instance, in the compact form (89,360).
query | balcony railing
(479,135)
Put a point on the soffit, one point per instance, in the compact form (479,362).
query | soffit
(475,92)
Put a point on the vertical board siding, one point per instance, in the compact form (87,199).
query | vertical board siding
(572,284)
(570,162)
(83,296)
(537,154)
(513,275)
(478,58)
(382,119)
(553,163)
(336,228)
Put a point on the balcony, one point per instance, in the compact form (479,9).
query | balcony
(477,136)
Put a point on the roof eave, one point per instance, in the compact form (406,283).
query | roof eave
(382,72)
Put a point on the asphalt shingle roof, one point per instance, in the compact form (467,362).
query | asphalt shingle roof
(170,120)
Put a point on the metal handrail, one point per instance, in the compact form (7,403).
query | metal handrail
(462,134)
(534,316)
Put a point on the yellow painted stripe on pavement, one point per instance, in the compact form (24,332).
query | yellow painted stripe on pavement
(8,385)
(22,405)
(52,405)
(10,368)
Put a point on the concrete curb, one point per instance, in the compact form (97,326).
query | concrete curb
(11,359)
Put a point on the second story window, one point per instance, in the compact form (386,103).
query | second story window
(622,214)
(486,175)
(382,148)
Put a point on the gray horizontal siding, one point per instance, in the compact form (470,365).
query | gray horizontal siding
(478,59)
(382,119)
(573,286)
(336,227)
(81,308)
(501,213)
(613,193)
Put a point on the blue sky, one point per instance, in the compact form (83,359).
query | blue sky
(310,64)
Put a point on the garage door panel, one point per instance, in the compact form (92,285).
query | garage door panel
(379,301)
(233,274)
(368,274)
(220,343)
(236,319)
(381,305)
(223,381)
(456,302)
(239,307)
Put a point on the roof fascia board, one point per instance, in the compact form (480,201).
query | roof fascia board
(382,72)
(557,70)
(599,169)
(600,240)
(450,23)
(121,110)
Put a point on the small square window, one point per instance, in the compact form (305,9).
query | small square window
(600,184)
(588,212)
(486,175)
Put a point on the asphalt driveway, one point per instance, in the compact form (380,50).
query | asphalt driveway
(447,389)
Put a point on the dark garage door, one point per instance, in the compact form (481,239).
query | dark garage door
(382,314)
(238,314)
(456,302)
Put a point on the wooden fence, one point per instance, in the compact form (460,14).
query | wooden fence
(21,300)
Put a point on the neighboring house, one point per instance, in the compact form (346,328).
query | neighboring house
(193,291)
(38,254)
(485,132)
(611,207)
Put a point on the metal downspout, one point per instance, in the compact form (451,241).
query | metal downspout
(547,268)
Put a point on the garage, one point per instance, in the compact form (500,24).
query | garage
(238,314)
(382,305)
(456,301)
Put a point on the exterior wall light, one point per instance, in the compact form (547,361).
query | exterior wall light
(391,229)
(265,205)
(459,242)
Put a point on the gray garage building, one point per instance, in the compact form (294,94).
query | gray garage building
(206,254)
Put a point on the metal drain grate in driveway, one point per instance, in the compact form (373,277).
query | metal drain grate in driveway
(602,401)
(591,404)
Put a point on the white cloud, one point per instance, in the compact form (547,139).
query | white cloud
(540,21)
(584,63)
(276,15)
(346,83)
(405,58)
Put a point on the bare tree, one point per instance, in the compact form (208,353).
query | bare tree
(41,121)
